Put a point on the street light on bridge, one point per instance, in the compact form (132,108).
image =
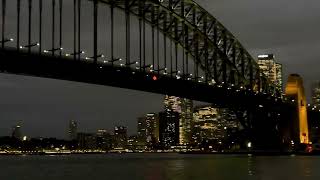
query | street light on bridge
(162,69)
(30,45)
(112,61)
(150,66)
(91,58)
(7,40)
(175,72)
(132,63)
(76,53)
(53,50)
(199,79)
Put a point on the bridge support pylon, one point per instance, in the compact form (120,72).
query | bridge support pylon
(295,92)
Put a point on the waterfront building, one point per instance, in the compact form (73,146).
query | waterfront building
(104,139)
(271,69)
(132,143)
(148,130)
(169,128)
(212,124)
(86,141)
(72,130)
(205,120)
(120,137)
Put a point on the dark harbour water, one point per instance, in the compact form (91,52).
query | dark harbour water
(159,167)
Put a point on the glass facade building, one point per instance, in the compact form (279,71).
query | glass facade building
(271,69)
(316,94)
(212,124)
(120,137)
(169,129)
(184,107)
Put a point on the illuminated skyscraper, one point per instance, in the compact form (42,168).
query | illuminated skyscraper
(172,103)
(184,108)
(169,128)
(212,124)
(133,143)
(103,139)
(204,127)
(72,131)
(271,69)
(141,134)
(120,137)
(148,128)
(185,122)
(152,127)
(316,94)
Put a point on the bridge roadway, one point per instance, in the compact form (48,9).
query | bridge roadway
(65,68)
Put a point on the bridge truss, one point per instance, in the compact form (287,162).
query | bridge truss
(184,51)
(217,56)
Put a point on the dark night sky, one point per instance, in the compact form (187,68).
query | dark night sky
(287,28)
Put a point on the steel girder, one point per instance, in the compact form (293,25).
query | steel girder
(214,49)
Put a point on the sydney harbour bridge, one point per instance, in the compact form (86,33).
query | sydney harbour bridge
(172,47)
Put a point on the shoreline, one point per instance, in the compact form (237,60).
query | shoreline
(186,153)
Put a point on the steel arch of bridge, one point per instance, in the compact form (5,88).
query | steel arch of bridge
(214,49)
(227,66)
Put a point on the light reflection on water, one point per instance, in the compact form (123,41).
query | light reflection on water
(251,166)
(159,167)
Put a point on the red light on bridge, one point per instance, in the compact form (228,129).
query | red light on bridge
(154,78)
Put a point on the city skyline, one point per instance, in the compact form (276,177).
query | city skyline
(148,126)
(72,126)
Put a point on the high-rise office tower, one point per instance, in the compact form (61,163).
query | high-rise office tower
(120,137)
(103,139)
(212,124)
(169,128)
(271,69)
(206,120)
(185,122)
(148,129)
(72,130)
(152,127)
(132,143)
(141,131)
(172,103)
(316,94)
(184,107)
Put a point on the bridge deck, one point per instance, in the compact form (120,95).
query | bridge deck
(104,74)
